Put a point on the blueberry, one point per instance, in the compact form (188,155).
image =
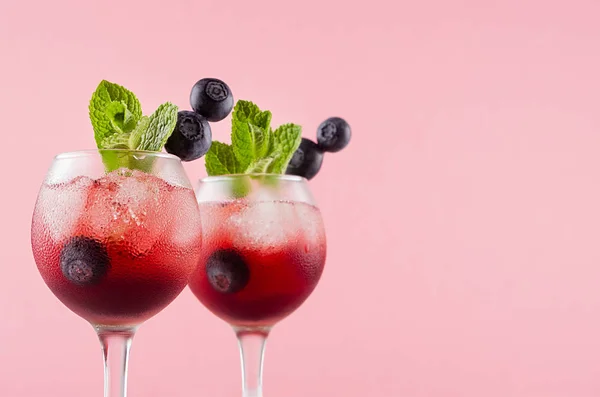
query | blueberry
(227,271)
(84,261)
(333,134)
(191,138)
(212,99)
(306,161)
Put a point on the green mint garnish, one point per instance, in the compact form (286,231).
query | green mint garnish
(286,140)
(113,109)
(156,129)
(255,147)
(135,138)
(116,116)
(220,159)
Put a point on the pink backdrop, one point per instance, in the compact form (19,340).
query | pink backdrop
(463,219)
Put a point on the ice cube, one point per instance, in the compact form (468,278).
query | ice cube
(137,199)
(310,223)
(264,225)
(127,208)
(62,206)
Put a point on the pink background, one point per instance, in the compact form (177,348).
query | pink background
(463,219)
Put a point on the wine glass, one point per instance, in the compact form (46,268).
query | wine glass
(115,235)
(263,254)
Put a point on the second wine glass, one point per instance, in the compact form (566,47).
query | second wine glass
(263,254)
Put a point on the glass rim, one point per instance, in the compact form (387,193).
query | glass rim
(97,152)
(229,177)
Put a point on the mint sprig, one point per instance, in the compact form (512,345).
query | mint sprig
(286,140)
(154,132)
(118,123)
(135,138)
(112,110)
(220,159)
(255,147)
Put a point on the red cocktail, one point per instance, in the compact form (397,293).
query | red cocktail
(117,249)
(260,259)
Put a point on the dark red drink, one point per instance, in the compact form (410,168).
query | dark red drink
(118,249)
(260,260)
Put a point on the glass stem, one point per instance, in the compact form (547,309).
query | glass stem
(252,351)
(116,343)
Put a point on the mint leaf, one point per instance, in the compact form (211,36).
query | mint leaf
(250,129)
(248,112)
(113,110)
(220,159)
(250,143)
(261,166)
(160,126)
(242,143)
(120,93)
(261,139)
(115,113)
(285,140)
(120,118)
(135,137)
(240,187)
(116,141)
(115,160)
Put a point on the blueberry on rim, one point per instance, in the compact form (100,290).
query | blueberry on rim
(191,138)
(306,161)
